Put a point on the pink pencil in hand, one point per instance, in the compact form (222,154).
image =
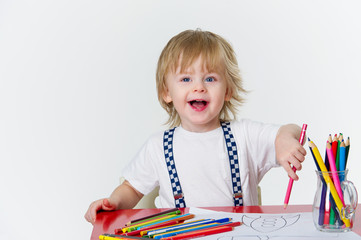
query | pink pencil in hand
(290,183)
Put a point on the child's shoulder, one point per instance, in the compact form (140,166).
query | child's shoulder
(156,138)
(249,125)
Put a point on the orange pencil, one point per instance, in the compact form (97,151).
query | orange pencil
(169,211)
(200,233)
(155,226)
(150,222)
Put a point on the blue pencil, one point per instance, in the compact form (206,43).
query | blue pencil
(169,219)
(332,202)
(187,225)
(342,159)
(347,144)
(321,215)
(185,230)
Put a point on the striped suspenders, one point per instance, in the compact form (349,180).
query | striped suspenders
(233,161)
(174,180)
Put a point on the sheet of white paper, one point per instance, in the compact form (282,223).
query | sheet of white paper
(261,226)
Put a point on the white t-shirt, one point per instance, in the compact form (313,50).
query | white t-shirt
(202,164)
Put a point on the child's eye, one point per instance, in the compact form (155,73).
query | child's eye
(186,80)
(209,79)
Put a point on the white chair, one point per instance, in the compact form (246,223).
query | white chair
(148,201)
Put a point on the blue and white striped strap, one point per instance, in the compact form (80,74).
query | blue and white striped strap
(168,153)
(234,164)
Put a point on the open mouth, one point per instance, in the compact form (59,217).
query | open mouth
(198,105)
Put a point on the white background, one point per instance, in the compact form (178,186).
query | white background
(78,98)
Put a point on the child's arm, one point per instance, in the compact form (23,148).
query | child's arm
(124,196)
(289,150)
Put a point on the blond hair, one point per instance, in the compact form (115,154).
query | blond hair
(218,55)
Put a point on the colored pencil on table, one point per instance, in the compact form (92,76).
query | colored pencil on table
(194,228)
(328,180)
(106,236)
(180,217)
(186,225)
(200,233)
(155,226)
(149,222)
(177,212)
(169,211)
(290,182)
(145,231)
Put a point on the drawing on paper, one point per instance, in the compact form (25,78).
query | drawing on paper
(266,224)
(263,225)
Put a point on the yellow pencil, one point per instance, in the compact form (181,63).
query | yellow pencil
(171,233)
(328,180)
(145,232)
(135,226)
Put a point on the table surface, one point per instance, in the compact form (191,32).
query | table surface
(108,221)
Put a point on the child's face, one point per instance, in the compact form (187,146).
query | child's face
(197,95)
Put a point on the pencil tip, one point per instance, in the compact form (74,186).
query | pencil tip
(308,139)
(285,206)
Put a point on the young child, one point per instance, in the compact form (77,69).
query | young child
(209,159)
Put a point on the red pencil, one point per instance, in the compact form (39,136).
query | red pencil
(334,145)
(153,215)
(290,183)
(200,233)
(159,225)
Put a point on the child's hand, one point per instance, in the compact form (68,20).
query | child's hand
(101,204)
(288,149)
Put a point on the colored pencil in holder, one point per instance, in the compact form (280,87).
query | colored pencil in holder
(347,144)
(328,180)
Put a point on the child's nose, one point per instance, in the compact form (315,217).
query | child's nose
(199,86)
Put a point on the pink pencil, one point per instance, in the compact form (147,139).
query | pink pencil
(290,183)
(200,233)
(336,180)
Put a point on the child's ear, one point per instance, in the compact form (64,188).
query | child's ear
(228,95)
(166,96)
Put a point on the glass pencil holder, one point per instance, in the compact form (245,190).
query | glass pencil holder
(335,202)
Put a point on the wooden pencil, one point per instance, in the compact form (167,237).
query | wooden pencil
(153,215)
(200,233)
(290,182)
(328,180)
(149,222)
(347,144)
